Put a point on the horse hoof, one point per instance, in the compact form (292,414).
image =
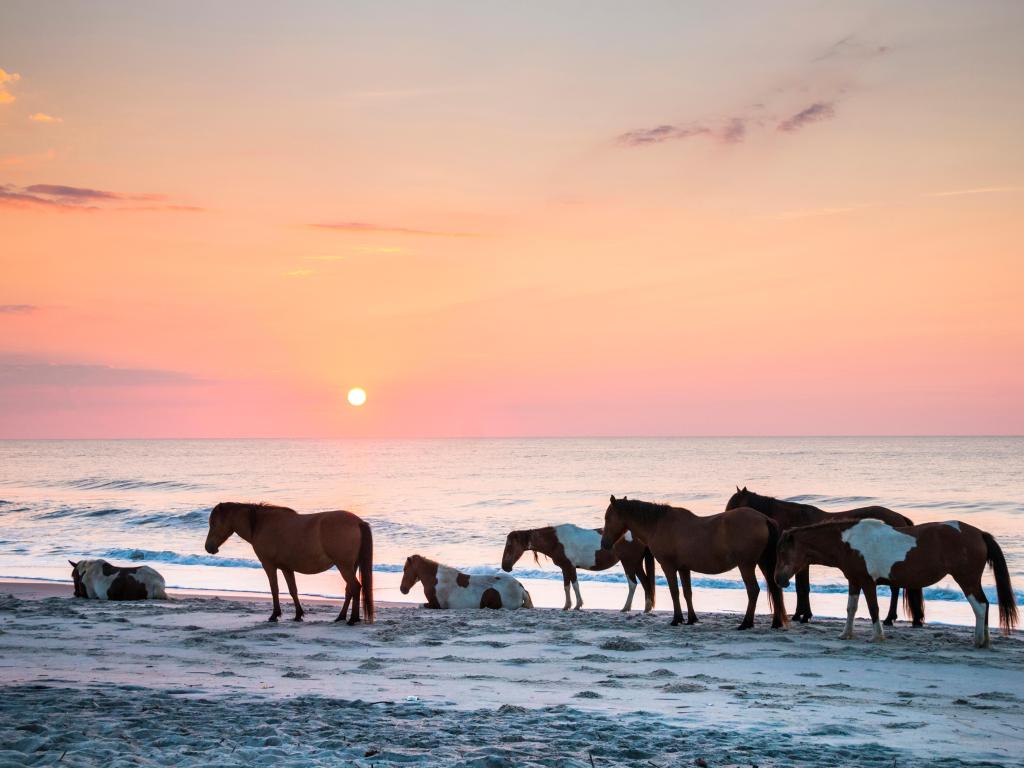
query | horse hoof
(353,622)
(742,627)
(805,618)
(917,624)
(888,622)
(691,622)
(273,618)
(297,618)
(578,607)
(846,636)
(675,622)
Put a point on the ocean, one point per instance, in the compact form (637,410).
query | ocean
(147,501)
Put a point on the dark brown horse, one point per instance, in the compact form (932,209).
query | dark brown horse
(571,547)
(870,552)
(292,543)
(790,514)
(682,542)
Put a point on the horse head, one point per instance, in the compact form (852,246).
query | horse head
(739,499)
(410,574)
(614,524)
(221,526)
(515,545)
(791,558)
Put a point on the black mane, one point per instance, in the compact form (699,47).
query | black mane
(645,511)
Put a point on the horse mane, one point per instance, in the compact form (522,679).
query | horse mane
(772,500)
(843,521)
(644,511)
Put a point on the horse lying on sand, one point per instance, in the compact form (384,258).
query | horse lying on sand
(789,514)
(292,543)
(99,580)
(571,547)
(682,542)
(869,552)
(448,588)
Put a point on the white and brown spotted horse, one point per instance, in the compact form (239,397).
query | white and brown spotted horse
(870,552)
(99,580)
(447,587)
(571,547)
(790,514)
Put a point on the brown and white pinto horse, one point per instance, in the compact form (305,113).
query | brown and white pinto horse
(571,547)
(292,543)
(447,587)
(682,542)
(790,514)
(870,552)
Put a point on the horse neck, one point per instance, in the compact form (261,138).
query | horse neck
(820,543)
(641,528)
(242,518)
(794,514)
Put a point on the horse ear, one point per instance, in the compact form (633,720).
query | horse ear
(73,564)
(737,489)
(745,489)
(613,498)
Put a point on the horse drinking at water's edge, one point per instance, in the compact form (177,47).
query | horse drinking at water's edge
(292,543)
(869,552)
(682,542)
(789,514)
(571,547)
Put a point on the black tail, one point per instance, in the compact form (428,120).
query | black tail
(768,560)
(913,603)
(365,567)
(1004,589)
(649,575)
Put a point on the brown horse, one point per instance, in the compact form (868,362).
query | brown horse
(292,543)
(789,514)
(571,547)
(870,552)
(682,542)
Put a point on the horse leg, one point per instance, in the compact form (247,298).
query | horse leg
(851,611)
(691,615)
(673,588)
(803,596)
(576,589)
(289,579)
(871,596)
(890,618)
(778,599)
(348,573)
(631,583)
(566,582)
(979,603)
(753,590)
(272,578)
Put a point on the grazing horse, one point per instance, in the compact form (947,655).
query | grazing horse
(789,514)
(99,580)
(870,552)
(448,588)
(283,539)
(572,547)
(683,542)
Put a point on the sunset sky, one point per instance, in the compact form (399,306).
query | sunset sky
(511,218)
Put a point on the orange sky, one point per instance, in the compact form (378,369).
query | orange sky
(586,219)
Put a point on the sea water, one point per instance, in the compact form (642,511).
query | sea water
(148,501)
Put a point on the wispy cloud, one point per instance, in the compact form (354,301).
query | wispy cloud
(11,160)
(6,78)
(63,197)
(17,309)
(815,113)
(852,47)
(734,128)
(976,191)
(364,228)
(42,117)
(19,371)
(299,273)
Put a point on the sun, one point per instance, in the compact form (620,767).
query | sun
(356,396)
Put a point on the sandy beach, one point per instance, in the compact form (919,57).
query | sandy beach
(205,680)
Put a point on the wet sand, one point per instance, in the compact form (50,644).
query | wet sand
(204,680)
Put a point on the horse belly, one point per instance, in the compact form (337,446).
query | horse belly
(462,597)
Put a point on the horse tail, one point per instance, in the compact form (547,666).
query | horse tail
(649,574)
(1004,590)
(769,558)
(913,602)
(365,567)
(527,600)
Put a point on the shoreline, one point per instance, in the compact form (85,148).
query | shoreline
(490,688)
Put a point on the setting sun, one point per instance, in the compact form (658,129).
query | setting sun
(356,396)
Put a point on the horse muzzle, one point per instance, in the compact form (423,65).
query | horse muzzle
(212,549)
(606,545)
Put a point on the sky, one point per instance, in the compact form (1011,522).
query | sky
(511,219)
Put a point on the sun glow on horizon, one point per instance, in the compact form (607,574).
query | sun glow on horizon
(356,396)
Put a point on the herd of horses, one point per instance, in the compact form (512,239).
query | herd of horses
(870,545)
